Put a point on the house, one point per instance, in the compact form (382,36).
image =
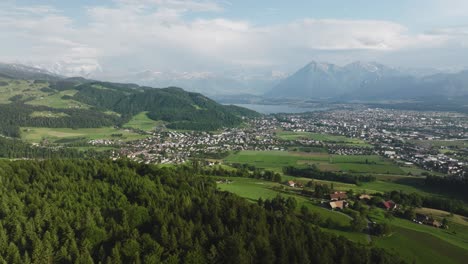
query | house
(336,196)
(291,184)
(365,197)
(389,205)
(338,204)
(427,220)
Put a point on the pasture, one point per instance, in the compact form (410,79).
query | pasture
(276,160)
(143,122)
(56,100)
(291,135)
(21,89)
(253,189)
(37,134)
(422,243)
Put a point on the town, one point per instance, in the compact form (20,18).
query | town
(434,141)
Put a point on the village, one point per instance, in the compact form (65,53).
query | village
(434,141)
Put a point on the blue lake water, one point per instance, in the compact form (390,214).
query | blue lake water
(271,109)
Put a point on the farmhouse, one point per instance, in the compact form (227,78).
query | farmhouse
(389,205)
(336,196)
(427,220)
(365,197)
(338,204)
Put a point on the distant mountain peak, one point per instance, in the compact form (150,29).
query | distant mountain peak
(364,80)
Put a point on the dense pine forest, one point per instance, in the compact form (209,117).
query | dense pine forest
(90,211)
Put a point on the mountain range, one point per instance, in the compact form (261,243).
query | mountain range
(367,81)
(316,80)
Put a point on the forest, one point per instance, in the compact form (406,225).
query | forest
(17,149)
(314,173)
(102,211)
(183,110)
(18,115)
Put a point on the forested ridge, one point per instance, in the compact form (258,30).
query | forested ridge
(183,110)
(180,109)
(90,211)
(16,115)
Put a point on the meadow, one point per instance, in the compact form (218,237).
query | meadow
(253,189)
(55,100)
(276,160)
(37,134)
(416,243)
(143,122)
(424,244)
(25,89)
(291,135)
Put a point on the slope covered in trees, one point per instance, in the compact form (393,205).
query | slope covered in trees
(89,211)
(180,109)
(183,110)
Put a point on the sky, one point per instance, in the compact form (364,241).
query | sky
(213,36)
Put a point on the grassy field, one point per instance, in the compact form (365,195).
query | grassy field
(143,122)
(26,89)
(290,135)
(55,100)
(253,189)
(439,215)
(422,243)
(276,160)
(48,114)
(37,134)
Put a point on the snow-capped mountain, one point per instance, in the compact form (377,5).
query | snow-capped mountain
(209,83)
(20,71)
(363,80)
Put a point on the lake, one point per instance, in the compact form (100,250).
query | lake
(271,109)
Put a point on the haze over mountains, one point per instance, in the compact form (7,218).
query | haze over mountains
(365,81)
(316,80)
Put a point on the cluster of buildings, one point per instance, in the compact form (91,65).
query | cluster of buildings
(425,139)
(177,147)
(408,137)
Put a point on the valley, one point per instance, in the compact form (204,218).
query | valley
(352,148)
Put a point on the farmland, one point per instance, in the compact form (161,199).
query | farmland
(143,122)
(37,134)
(21,89)
(276,160)
(424,244)
(416,243)
(253,189)
(56,100)
(290,135)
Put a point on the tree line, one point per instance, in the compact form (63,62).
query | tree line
(18,115)
(314,173)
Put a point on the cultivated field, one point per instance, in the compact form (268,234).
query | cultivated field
(37,134)
(143,122)
(290,135)
(276,160)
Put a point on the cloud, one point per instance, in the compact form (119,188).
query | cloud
(172,34)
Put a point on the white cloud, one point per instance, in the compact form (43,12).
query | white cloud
(159,34)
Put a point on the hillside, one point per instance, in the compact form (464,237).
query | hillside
(89,211)
(81,103)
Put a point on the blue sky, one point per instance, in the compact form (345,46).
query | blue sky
(115,36)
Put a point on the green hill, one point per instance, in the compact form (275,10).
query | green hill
(80,103)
